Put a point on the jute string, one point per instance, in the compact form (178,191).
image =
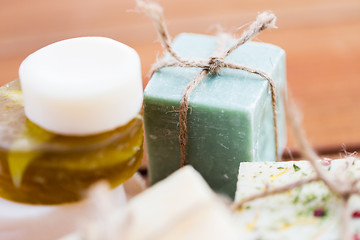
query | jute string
(338,184)
(115,227)
(342,187)
(208,66)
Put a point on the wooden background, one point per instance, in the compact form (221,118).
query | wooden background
(321,38)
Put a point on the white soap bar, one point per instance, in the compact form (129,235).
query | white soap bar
(82,86)
(180,207)
(291,215)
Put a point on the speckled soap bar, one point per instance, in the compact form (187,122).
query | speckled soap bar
(230,116)
(311,211)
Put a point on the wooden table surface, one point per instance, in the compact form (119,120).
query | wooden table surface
(321,38)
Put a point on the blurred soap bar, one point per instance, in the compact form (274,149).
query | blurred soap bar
(230,116)
(181,207)
(307,212)
(39,222)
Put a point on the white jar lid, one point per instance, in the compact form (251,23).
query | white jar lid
(82,86)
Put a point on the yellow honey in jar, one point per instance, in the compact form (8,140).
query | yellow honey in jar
(73,118)
(40,167)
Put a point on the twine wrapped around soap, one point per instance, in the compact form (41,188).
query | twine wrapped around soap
(338,184)
(209,66)
(342,187)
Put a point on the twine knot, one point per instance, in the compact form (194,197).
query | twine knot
(210,66)
(215,64)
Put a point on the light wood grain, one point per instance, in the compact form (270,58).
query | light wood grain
(321,38)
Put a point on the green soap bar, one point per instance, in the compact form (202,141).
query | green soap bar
(230,116)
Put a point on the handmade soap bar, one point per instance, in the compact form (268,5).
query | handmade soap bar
(182,207)
(82,86)
(307,212)
(230,116)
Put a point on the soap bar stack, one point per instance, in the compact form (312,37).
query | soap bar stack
(307,212)
(73,120)
(230,117)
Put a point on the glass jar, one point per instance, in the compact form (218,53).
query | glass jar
(40,167)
